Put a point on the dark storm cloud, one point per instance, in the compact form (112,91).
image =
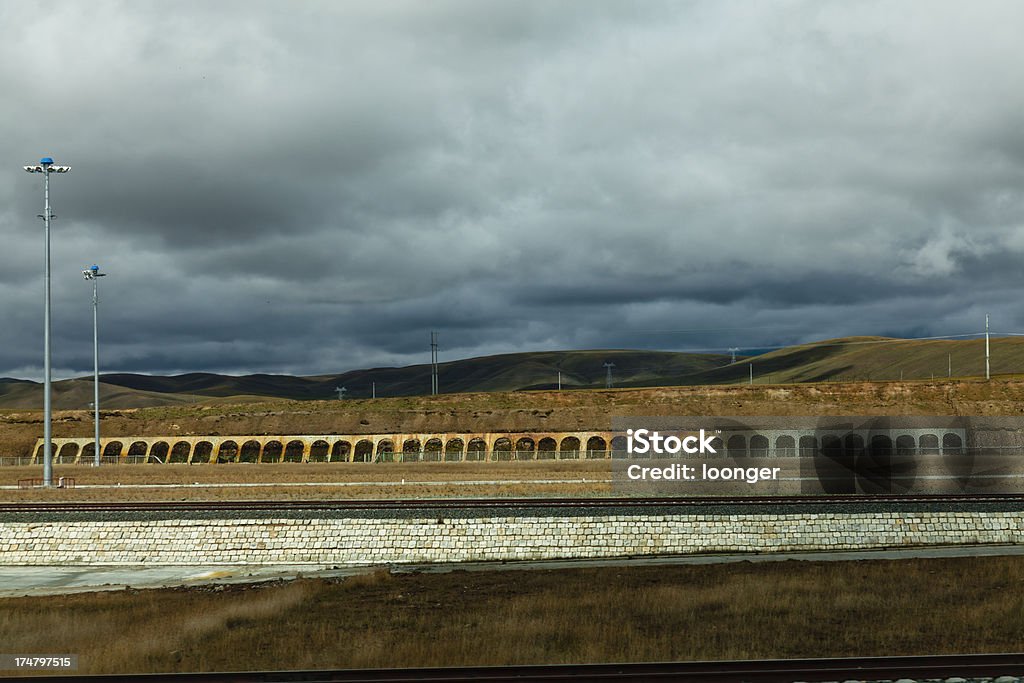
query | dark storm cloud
(312,187)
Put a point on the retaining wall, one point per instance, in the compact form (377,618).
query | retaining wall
(354,537)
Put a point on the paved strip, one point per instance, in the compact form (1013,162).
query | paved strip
(45,580)
(403,482)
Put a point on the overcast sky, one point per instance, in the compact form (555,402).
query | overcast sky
(311,187)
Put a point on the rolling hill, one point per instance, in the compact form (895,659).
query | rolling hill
(847,359)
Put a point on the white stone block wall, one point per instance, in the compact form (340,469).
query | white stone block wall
(360,541)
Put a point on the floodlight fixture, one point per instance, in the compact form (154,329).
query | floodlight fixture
(46,167)
(93,273)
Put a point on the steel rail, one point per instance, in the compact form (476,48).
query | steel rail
(753,671)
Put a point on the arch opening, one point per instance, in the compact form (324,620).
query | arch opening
(180,452)
(202,452)
(364,451)
(250,451)
(319,451)
(453,450)
(227,451)
(294,451)
(272,452)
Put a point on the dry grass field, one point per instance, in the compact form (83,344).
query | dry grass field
(738,611)
(295,481)
(523,411)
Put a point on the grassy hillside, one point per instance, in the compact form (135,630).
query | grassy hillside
(843,360)
(876,359)
(509,372)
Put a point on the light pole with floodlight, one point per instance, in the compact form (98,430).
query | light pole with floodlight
(94,274)
(46,167)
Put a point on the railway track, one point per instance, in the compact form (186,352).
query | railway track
(493,503)
(763,671)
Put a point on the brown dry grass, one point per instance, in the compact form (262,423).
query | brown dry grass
(740,611)
(277,477)
(525,411)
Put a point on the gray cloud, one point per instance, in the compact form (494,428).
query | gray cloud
(313,187)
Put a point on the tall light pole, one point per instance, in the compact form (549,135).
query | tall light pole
(94,274)
(46,167)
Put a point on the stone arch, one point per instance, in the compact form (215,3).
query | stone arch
(319,451)
(853,445)
(525,448)
(294,450)
(432,450)
(569,448)
(272,451)
(227,451)
(597,447)
(785,446)
(717,446)
(905,445)
(929,444)
(137,450)
(618,447)
(88,452)
(202,452)
(250,451)
(112,451)
(180,452)
(39,453)
(342,451)
(758,446)
(476,449)
(736,447)
(411,450)
(952,444)
(453,449)
(68,452)
(546,448)
(502,449)
(364,451)
(808,446)
(158,452)
(385,450)
(881,445)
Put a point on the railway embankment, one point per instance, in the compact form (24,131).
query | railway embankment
(397,532)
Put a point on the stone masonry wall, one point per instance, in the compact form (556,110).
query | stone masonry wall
(331,541)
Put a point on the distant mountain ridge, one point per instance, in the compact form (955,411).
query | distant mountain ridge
(847,359)
(506,372)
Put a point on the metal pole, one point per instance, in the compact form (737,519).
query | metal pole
(96,369)
(559,380)
(949,368)
(751,373)
(988,374)
(373,390)
(47,406)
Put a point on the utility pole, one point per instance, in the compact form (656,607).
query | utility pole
(949,365)
(46,167)
(608,375)
(988,374)
(433,363)
(751,373)
(94,274)
(733,351)
(559,380)
(373,390)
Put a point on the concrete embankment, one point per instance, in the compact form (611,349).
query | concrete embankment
(340,536)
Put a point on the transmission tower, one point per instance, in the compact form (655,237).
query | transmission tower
(341,392)
(733,351)
(608,375)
